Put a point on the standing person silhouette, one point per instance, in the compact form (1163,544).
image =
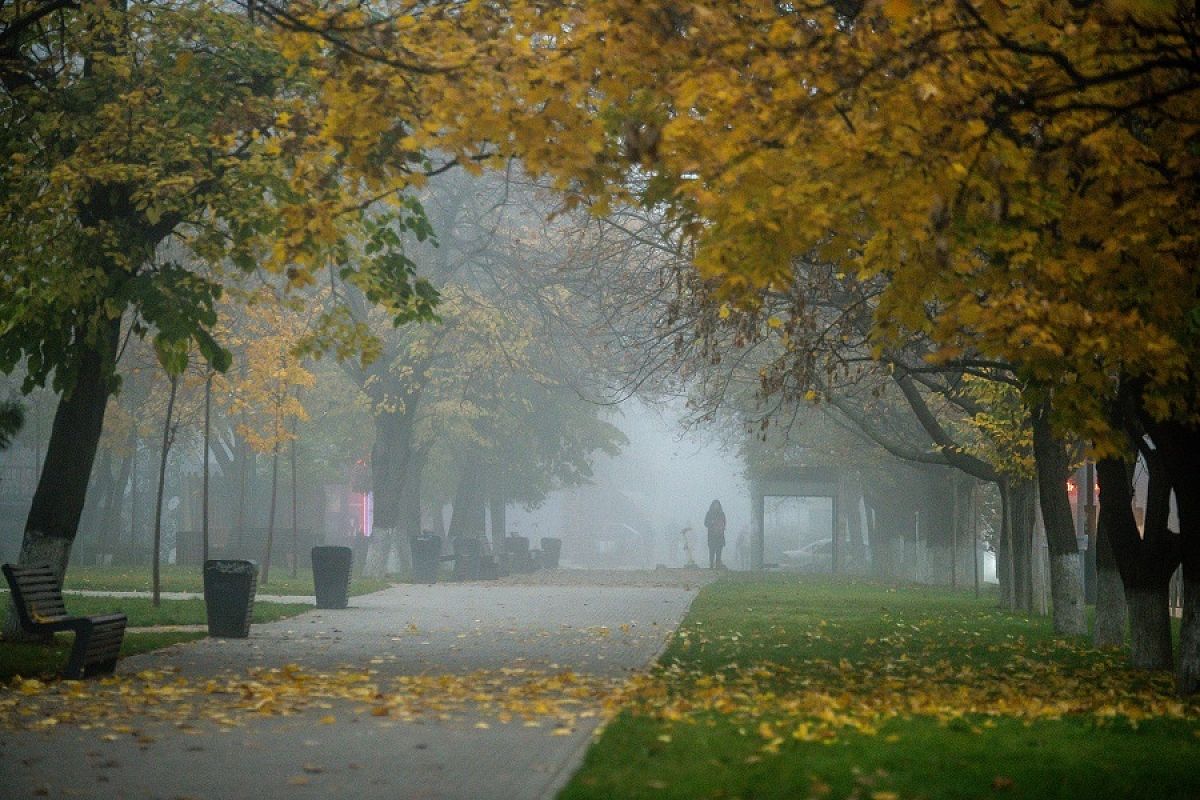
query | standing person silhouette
(714,521)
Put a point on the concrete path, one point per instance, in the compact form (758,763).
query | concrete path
(471,638)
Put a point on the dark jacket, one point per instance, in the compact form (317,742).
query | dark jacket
(714,520)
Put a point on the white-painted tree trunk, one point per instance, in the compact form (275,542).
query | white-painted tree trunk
(1188,673)
(378,546)
(1066,587)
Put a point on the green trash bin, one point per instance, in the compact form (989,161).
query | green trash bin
(551,550)
(229,586)
(331,575)
(426,557)
(466,558)
(520,560)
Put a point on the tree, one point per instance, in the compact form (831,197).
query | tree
(131,128)
(1012,162)
(267,396)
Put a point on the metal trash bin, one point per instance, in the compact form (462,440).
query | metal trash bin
(331,568)
(551,550)
(229,586)
(519,558)
(426,556)
(489,568)
(467,550)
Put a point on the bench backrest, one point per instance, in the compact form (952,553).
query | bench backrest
(36,593)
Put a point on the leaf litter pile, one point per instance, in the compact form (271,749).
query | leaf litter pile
(555,700)
(809,678)
(835,677)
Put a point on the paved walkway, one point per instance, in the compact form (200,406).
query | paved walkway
(474,642)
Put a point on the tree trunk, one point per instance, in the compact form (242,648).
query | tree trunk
(975,548)
(439,517)
(1187,494)
(956,518)
(1005,558)
(1066,566)
(245,453)
(112,509)
(1145,564)
(58,500)
(1111,616)
(937,524)
(295,528)
(134,496)
(1178,448)
(379,547)
(1188,673)
(498,510)
(162,482)
(880,560)
(266,571)
(239,520)
(1024,513)
(855,554)
(467,518)
(1149,626)
(390,456)
(207,450)
(98,491)
(111,486)
(410,512)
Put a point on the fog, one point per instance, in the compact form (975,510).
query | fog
(662,482)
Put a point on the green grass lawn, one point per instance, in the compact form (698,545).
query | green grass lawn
(143,614)
(39,661)
(32,660)
(176,578)
(792,687)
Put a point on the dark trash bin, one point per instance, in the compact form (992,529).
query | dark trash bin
(551,550)
(489,568)
(519,560)
(229,586)
(426,555)
(331,575)
(467,550)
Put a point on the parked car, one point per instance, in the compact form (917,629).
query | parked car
(811,557)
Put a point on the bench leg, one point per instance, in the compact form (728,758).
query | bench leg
(76,666)
(100,668)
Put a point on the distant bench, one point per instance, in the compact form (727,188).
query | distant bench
(40,609)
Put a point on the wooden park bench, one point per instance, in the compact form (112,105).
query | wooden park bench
(40,610)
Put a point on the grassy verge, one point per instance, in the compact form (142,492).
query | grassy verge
(142,613)
(176,578)
(779,687)
(38,661)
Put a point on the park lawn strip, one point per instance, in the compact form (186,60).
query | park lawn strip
(143,614)
(176,578)
(41,661)
(783,686)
